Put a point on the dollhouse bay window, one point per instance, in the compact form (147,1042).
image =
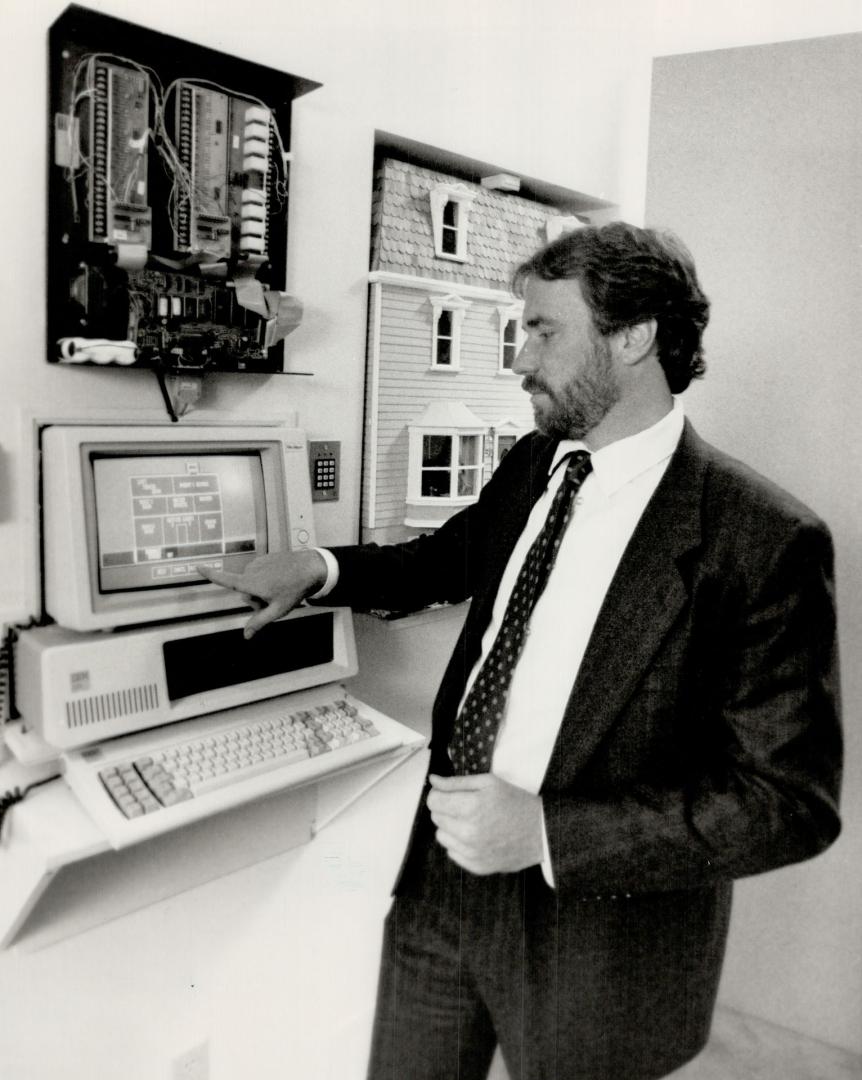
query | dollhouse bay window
(445,472)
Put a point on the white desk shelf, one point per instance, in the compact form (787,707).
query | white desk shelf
(61,876)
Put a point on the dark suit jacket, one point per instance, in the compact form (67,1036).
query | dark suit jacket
(701,741)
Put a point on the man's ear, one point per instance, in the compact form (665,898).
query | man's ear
(637,341)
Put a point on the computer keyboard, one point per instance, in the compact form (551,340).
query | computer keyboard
(141,785)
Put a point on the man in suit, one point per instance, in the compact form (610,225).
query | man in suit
(642,705)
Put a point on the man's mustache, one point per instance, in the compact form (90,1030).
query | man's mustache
(531,385)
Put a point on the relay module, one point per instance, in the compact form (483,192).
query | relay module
(167,232)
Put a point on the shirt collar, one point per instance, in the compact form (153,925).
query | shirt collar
(622,461)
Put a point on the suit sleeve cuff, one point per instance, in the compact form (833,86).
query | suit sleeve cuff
(331,574)
(546,866)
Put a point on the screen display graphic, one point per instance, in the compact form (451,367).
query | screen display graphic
(159,516)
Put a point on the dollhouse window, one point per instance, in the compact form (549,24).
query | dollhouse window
(449,228)
(504,434)
(447,316)
(502,445)
(558,224)
(509,344)
(450,220)
(443,339)
(451,466)
(511,336)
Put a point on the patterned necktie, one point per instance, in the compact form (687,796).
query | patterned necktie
(478,722)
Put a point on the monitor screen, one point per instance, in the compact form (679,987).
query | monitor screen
(158,517)
(130,512)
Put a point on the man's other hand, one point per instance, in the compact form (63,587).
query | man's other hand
(486,825)
(274,584)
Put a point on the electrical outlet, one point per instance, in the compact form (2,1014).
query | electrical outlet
(194,1064)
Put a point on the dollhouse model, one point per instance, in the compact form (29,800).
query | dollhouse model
(443,405)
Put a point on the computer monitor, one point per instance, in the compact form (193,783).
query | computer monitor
(128,513)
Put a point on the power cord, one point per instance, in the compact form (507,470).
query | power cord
(180,392)
(17,794)
(6,657)
(166,397)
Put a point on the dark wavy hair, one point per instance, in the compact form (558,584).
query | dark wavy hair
(628,275)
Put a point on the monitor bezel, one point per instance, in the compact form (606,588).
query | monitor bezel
(71,595)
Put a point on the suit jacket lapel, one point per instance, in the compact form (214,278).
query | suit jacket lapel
(644,599)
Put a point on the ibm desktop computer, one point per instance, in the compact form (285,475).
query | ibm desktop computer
(140,678)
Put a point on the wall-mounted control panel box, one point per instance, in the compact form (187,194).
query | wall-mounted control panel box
(167,227)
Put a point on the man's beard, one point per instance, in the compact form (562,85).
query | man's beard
(583,403)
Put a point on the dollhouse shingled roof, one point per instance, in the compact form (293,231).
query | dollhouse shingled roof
(504,229)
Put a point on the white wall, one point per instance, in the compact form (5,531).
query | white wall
(557,89)
(685,26)
(756,160)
